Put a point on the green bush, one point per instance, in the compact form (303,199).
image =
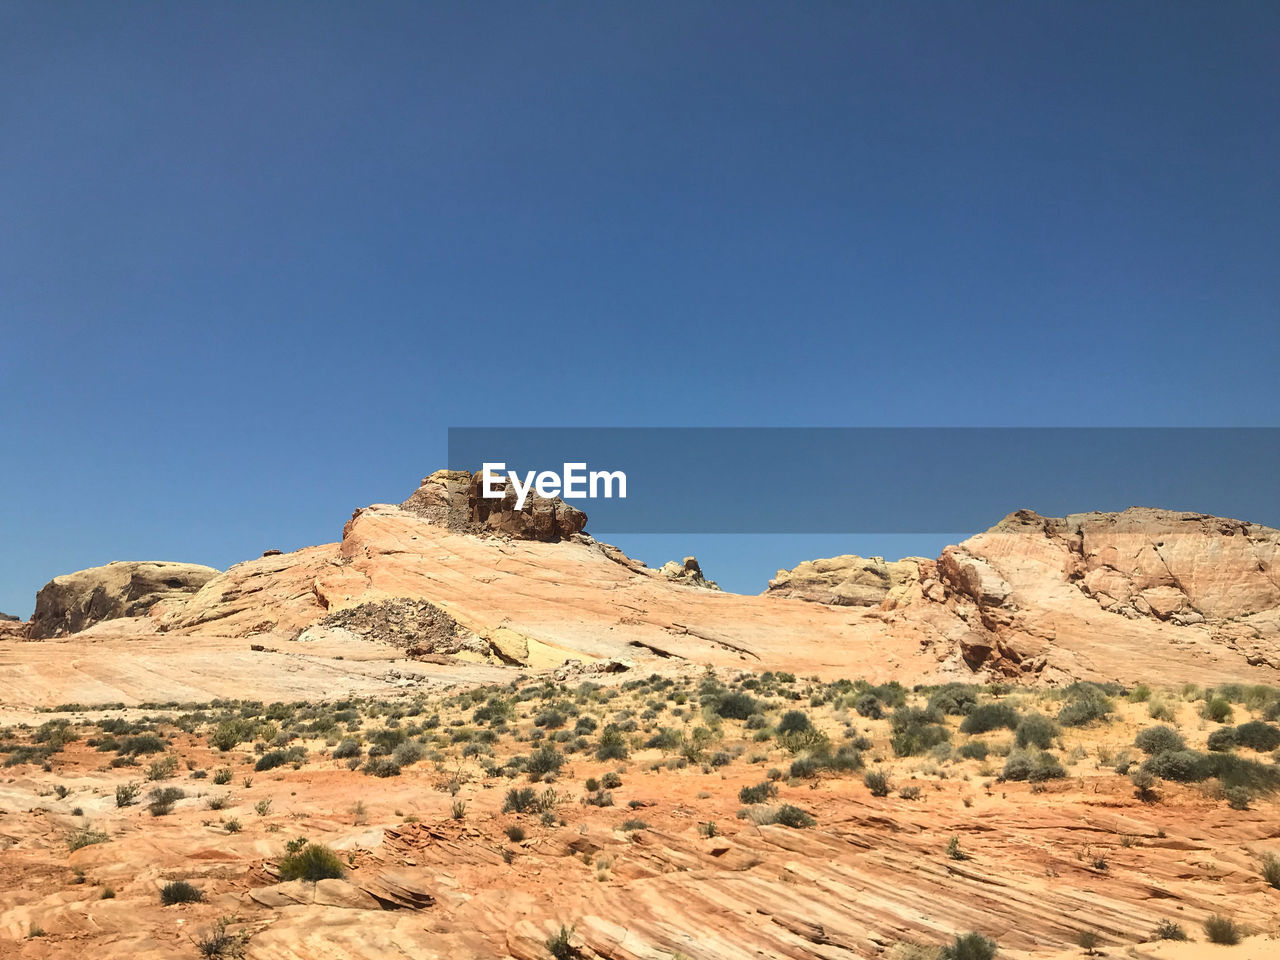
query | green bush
(915,731)
(877,782)
(559,946)
(990,716)
(1033,767)
(1257,735)
(519,800)
(381,767)
(408,753)
(162,799)
(794,817)
(1222,930)
(1086,702)
(956,699)
(1170,930)
(545,762)
(794,721)
(1216,709)
(612,745)
(179,891)
(1271,870)
(1035,730)
(969,946)
(314,862)
(1180,766)
(1158,739)
(974,750)
(735,706)
(760,793)
(1222,739)
(346,749)
(868,705)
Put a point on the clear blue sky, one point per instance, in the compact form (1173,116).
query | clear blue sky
(256,258)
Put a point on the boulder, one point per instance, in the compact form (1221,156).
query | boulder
(452,498)
(847,580)
(688,572)
(74,601)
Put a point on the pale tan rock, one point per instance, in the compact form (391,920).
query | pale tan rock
(847,580)
(75,601)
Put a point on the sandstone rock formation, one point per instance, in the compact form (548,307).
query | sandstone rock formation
(847,580)
(688,572)
(447,593)
(9,617)
(1058,598)
(70,603)
(452,498)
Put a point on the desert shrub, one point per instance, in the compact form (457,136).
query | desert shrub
(1144,784)
(611,780)
(809,738)
(1035,730)
(519,800)
(545,762)
(559,946)
(877,782)
(990,716)
(127,793)
(144,743)
(220,943)
(550,719)
(1158,739)
(974,750)
(382,767)
(161,800)
(313,862)
(794,721)
(86,836)
(1257,735)
(1271,870)
(760,793)
(1170,930)
(1222,930)
(408,753)
(179,891)
(1034,767)
(230,733)
(1086,702)
(1216,709)
(346,749)
(915,731)
(910,793)
(222,776)
(1222,739)
(515,833)
(1237,798)
(793,817)
(163,769)
(957,699)
(612,744)
(1180,766)
(271,760)
(1236,771)
(969,946)
(600,798)
(634,824)
(735,706)
(868,705)
(1160,710)
(1140,694)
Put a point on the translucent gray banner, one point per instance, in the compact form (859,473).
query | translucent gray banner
(883,480)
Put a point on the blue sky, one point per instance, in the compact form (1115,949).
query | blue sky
(255,259)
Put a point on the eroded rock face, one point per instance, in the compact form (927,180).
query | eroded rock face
(70,603)
(848,580)
(688,572)
(452,498)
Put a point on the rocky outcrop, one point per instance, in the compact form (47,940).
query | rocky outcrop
(452,498)
(75,601)
(9,617)
(848,580)
(688,572)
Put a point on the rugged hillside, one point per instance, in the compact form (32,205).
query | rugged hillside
(445,588)
(1132,595)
